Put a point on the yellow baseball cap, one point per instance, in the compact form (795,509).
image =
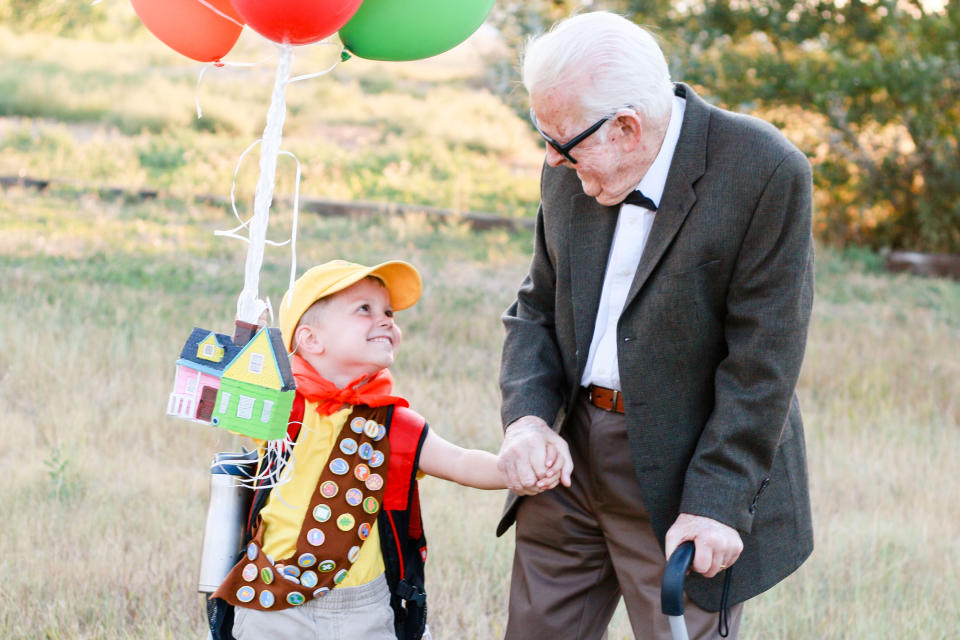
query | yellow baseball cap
(400,278)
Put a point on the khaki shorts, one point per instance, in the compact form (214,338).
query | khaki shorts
(346,613)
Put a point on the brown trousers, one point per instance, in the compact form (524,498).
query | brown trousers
(579,549)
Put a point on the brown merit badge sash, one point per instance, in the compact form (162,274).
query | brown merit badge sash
(342,511)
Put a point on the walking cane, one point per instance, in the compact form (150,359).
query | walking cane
(671,592)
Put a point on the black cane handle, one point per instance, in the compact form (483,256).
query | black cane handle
(671,593)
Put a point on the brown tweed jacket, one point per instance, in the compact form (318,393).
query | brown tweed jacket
(710,341)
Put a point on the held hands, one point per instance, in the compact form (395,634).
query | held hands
(718,545)
(533,458)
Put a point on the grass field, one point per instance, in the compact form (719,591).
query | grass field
(104,496)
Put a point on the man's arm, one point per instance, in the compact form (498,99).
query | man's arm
(768,311)
(531,378)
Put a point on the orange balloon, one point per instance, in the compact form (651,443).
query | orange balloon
(191,27)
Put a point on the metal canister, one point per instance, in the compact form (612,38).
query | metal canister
(226,516)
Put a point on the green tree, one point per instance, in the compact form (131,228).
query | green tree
(883,81)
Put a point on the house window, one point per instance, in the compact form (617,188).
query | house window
(192,385)
(256,363)
(245,407)
(224,402)
(208,351)
(267,408)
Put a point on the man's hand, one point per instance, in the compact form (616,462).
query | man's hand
(531,455)
(718,545)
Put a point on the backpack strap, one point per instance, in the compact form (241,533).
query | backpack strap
(408,431)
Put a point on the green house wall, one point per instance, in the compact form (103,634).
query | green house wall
(274,429)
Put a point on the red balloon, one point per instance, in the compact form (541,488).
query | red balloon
(191,27)
(296,21)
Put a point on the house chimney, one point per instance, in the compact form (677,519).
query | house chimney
(243,332)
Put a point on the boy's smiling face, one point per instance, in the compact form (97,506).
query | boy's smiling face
(353,333)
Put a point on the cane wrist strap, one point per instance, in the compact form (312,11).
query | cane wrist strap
(342,511)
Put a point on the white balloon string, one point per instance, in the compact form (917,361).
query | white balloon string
(314,75)
(293,229)
(203,70)
(196,92)
(220,13)
(249,306)
(233,233)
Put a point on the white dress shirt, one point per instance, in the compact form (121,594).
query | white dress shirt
(629,239)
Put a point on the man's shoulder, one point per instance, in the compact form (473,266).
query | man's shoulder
(746,131)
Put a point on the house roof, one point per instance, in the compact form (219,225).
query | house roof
(188,356)
(283,361)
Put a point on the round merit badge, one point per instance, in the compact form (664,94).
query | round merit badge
(361,471)
(381,431)
(354,553)
(250,573)
(340,577)
(345,522)
(365,451)
(353,497)
(321,512)
(339,466)
(309,579)
(356,425)
(376,459)
(327,565)
(329,489)
(371,429)
(363,531)
(322,591)
(374,482)
(295,598)
(246,593)
(266,599)
(348,446)
(266,574)
(370,505)
(315,536)
(252,552)
(306,560)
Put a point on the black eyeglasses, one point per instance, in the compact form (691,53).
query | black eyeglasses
(564,149)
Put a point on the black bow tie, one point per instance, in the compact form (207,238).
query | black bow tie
(640,200)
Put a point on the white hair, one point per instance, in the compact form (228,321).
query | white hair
(619,63)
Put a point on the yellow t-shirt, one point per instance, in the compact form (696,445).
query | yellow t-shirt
(287,505)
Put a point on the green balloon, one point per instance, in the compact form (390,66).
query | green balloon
(411,29)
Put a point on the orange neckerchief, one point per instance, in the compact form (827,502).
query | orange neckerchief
(329,398)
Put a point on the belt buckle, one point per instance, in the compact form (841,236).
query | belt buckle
(613,400)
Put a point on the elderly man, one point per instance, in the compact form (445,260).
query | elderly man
(661,335)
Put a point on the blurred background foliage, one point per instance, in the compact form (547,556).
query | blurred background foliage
(870,91)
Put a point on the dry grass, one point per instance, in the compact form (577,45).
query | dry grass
(104,496)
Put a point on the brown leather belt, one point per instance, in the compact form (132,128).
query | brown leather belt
(606,399)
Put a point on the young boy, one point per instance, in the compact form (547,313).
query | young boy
(338,551)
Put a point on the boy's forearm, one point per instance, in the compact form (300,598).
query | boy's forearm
(477,469)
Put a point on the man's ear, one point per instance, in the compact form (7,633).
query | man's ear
(629,129)
(306,340)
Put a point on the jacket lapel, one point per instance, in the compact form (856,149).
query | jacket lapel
(689,163)
(590,236)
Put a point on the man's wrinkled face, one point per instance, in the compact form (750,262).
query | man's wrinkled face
(600,162)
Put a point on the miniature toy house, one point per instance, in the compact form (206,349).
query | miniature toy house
(256,389)
(199,369)
(243,384)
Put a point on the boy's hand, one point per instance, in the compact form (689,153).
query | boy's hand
(554,465)
(523,459)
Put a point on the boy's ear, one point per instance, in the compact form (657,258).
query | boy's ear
(306,340)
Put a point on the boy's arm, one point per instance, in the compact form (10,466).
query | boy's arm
(469,467)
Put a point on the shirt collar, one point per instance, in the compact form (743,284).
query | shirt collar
(655,179)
